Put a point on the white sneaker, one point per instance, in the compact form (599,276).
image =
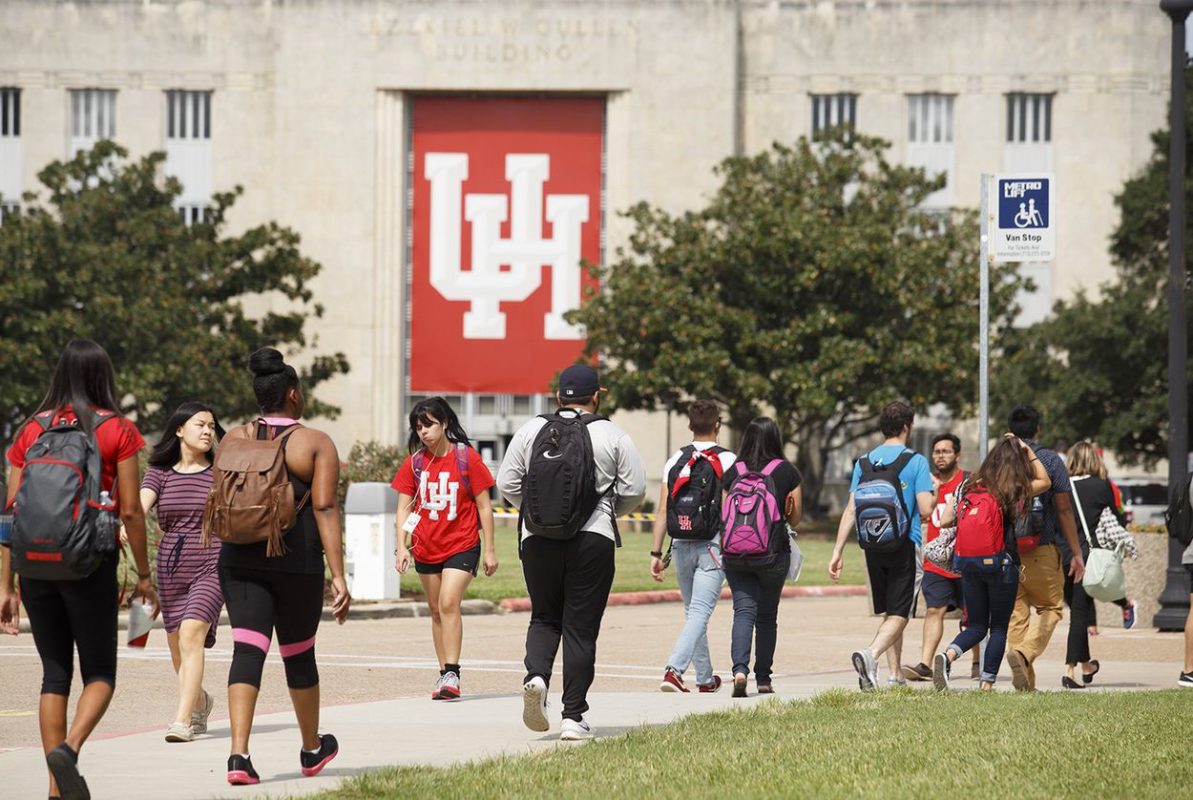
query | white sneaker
(867,669)
(199,718)
(534,704)
(573,731)
(178,732)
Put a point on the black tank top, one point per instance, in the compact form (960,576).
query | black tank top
(304,548)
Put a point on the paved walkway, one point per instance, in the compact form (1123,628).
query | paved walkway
(377,675)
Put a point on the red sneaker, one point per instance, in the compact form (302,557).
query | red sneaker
(672,682)
(709,688)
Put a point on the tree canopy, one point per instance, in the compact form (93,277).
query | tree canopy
(105,255)
(814,286)
(1098,367)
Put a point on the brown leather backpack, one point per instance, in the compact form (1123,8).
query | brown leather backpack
(251,498)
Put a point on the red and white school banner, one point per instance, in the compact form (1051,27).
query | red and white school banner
(506,204)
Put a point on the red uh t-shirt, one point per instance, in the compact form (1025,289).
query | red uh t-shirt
(944,499)
(449,521)
(118,440)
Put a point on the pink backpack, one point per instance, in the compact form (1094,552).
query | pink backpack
(755,530)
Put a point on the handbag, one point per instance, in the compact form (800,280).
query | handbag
(797,558)
(1104,578)
(939,551)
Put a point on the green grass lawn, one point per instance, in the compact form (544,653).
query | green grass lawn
(633,568)
(890,744)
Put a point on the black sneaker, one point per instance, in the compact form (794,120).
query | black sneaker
(739,685)
(313,763)
(1186,679)
(241,772)
(63,762)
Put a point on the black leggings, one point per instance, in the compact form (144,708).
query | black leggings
(260,601)
(66,614)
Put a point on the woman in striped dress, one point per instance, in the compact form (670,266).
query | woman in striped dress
(177,482)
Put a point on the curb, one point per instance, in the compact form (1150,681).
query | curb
(515,604)
(386,610)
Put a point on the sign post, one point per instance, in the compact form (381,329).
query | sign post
(1024,229)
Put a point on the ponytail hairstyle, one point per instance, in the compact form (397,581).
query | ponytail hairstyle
(168,450)
(83,380)
(430,411)
(273,378)
(1007,475)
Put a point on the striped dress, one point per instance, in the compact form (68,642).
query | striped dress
(188,581)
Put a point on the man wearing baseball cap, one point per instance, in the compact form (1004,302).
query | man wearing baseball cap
(568,546)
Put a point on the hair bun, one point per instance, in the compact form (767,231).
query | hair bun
(266,361)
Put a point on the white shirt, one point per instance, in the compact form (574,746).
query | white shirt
(728,457)
(618,467)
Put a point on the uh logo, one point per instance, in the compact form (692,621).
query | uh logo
(523,255)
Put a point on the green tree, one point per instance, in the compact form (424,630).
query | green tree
(1098,367)
(813,287)
(105,255)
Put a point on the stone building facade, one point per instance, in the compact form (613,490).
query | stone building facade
(311,105)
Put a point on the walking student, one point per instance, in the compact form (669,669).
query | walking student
(277,584)
(1092,495)
(762,498)
(890,490)
(77,452)
(985,551)
(177,483)
(570,474)
(942,589)
(1042,583)
(689,510)
(443,497)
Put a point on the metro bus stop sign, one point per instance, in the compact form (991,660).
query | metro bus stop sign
(1024,218)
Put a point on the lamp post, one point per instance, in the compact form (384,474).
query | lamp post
(1174,602)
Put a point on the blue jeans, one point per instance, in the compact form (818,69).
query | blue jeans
(989,600)
(756,616)
(698,571)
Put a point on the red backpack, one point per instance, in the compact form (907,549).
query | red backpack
(981,529)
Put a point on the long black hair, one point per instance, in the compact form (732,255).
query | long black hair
(168,450)
(761,444)
(84,380)
(273,378)
(430,411)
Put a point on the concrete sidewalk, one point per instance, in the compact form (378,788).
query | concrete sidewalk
(416,731)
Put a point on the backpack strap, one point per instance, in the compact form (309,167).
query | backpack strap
(462,467)
(261,429)
(687,457)
(740,466)
(771,467)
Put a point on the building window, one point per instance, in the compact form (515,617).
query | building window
(188,151)
(1029,118)
(92,117)
(930,119)
(832,111)
(930,142)
(10,151)
(192,214)
(188,115)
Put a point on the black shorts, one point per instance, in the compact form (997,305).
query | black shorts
(892,580)
(942,592)
(468,561)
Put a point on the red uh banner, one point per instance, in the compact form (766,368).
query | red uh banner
(507,201)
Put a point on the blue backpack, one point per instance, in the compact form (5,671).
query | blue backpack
(883,521)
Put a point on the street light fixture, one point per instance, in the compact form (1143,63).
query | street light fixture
(1174,602)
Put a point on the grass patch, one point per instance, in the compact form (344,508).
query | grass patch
(633,568)
(891,744)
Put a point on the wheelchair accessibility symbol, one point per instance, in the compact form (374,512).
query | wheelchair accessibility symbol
(1029,216)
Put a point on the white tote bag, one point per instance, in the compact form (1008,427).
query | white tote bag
(1104,578)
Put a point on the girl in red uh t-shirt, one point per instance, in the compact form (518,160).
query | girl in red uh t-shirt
(443,496)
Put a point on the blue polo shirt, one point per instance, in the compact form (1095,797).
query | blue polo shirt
(915,478)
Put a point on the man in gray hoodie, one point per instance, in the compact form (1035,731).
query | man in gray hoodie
(568,575)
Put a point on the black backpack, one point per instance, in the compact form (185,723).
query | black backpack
(61,530)
(694,501)
(559,490)
(1179,516)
